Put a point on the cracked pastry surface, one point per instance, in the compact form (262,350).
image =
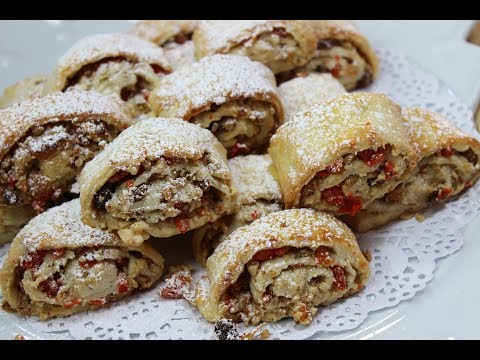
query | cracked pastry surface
(449,164)
(160,178)
(281,45)
(44,144)
(232,96)
(258,196)
(58,266)
(121,64)
(341,155)
(285,264)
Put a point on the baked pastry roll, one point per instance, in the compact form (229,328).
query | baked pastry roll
(166,33)
(307,89)
(449,163)
(285,264)
(175,36)
(58,266)
(258,195)
(343,154)
(281,45)
(342,51)
(160,177)
(120,64)
(232,96)
(44,143)
(22,90)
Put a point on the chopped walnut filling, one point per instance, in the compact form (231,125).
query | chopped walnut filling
(174,190)
(43,166)
(277,49)
(130,81)
(82,277)
(343,60)
(288,282)
(242,126)
(343,187)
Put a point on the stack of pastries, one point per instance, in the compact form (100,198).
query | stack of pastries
(240,135)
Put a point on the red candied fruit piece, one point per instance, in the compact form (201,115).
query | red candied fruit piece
(339,274)
(334,196)
(336,70)
(448,151)
(389,170)
(322,256)
(122,284)
(269,254)
(255,215)
(181,224)
(442,194)
(145,93)
(239,149)
(352,205)
(70,304)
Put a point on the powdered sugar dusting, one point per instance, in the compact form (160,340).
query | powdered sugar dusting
(161,31)
(222,35)
(336,126)
(90,47)
(63,224)
(153,138)
(429,132)
(314,88)
(302,225)
(253,178)
(214,79)
(73,105)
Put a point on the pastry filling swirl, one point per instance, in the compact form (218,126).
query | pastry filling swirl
(288,282)
(132,82)
(343,187)
(273,48)
(340,58)
(171,190)
(42,167)
(81,277)
(242,126)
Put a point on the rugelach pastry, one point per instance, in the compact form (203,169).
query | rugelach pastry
(342,51)
(307,89)
(449,164)
(285,264)
(282,45)
(58,266)
(175,36)
(258,195)
(161,177)
(44,144)
(22,90)
(341,155)
(120,64)
(232,96)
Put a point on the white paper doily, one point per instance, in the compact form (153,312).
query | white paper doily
(404,253)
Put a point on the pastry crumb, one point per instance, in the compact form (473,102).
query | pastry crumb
(420,217)
(19,337)
(178,284)
(368,255)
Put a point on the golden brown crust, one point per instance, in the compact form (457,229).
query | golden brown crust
(98,47)
(221,36)
(298,228)
(319,135)
(161,31)
(346,30)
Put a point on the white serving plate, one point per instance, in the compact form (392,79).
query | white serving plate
(446,309)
